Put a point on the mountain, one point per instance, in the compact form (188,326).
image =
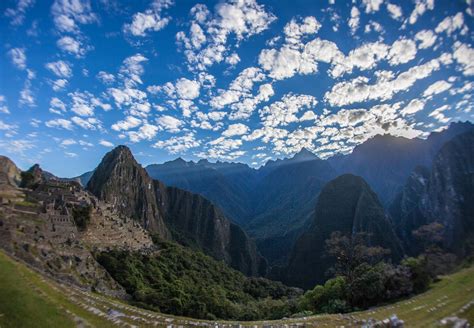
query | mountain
(123,183)
(450,192)
(444,194)
(172,213)
(10,174)
(284,202)
(385,161)
(228,185)
(346,204)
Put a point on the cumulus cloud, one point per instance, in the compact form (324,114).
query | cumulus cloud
(128,123)
(105,77)
(106,143)
(187,89)
(436,88)
(17,14)
(235,130)
(402,51)
(68,14)
(464,56)
(284,111)
(354,21)
(169,123)
(178,144)
(145,132)
(57,106)
(421,6)
(18,57)
(59,123)
(426,38)
(60,68)
(451,24)
(395,11)
(72,46)
(414,106)
(372,5)
(206,42)
(88,123)
(149,20)
(359,89)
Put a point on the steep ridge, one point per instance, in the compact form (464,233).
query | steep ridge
(346,204)
(444,194)
(122,182)
(172,213)
(228,185)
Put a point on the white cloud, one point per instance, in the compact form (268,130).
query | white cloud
(235,130)
(105,77)
(18,57)
(372,5)
(414,106)
(395,11)
(59,123)
(106,143)
(206,42)
(146,132)
(89,123)
(451,24)
(59,84)
(436,88)
(402,51)
(132,70)
(57,106)
(169,123)
(17,15)
(295,31)
(284,112)
(359,89)
(426,38)
(187,89)
(421,6)
(464,55)
(130,122)
(180,144)
(68,14)
(67,142)
(3,106)
(149,20)
(354,21)
(71,45)
(438,114)
(233,59)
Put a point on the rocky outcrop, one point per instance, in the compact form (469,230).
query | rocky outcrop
(449,197)
(346,204)
(173,213)
(444,194)
(122,182)
(9,173)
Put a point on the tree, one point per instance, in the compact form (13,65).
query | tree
(351,251)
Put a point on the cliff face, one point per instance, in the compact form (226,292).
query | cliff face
(444,194)
(123,183)
(187,218)
(345,204)
(449,197)
(10,174)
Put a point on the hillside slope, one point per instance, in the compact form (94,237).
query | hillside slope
(34,301)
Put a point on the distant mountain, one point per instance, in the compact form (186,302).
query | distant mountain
(284,202)
(172,213)
(228,185)
(346,204)
(385,161)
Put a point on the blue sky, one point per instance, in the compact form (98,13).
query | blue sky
(243,80)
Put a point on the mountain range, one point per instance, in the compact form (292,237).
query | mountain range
(269,222)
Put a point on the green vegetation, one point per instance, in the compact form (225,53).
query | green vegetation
(28,180)
(82,216)
(180,281)
(21,305)
(29,300)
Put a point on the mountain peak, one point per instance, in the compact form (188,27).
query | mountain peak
(304,154)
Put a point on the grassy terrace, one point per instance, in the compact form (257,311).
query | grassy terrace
(29,300)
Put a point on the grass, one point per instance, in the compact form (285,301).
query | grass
(29,300)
